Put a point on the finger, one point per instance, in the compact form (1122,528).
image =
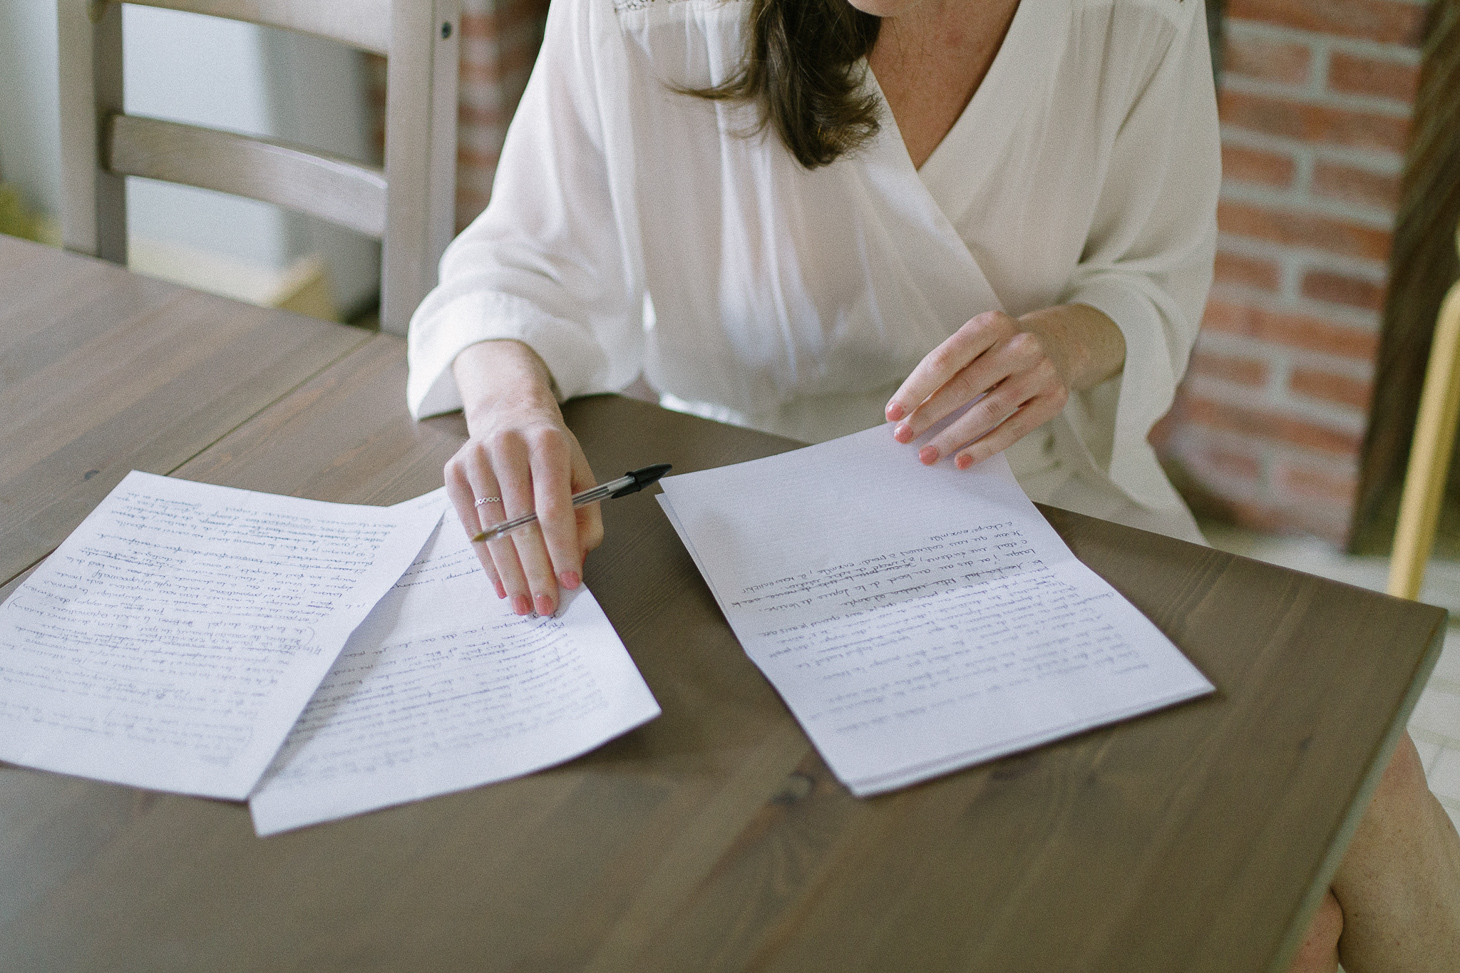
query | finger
(1030,416)
(553,485)
(975,384)
(991,415)
(1006,360)
(459,491)
(943,362)
(1029,373)
(486,484)
(589,518)
(1009,394)
(982,417)
(537,567)
(525,546)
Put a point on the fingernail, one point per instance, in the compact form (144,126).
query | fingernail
(544,605)
(570,579)
(929,455)
(521,604)
(894,412)
(903,433)
(964,461)
(501,591)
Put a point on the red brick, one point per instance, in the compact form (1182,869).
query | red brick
(1236,369)
(1327,520)
(1334,181)
(1291,330)
(1328,387)
(1313,124)
(478,25)
(1325,233)
(505,15)
(1160,434)
(1232,268)
(1266,60)
(1387,21)
(1310,484)
(1325,285)
(476,178)
(1272,426)
(1228,463)
(513,62)
(469,205)
(1275,169)
(1259,517)
(1351,74)
(482,114)
(474,159)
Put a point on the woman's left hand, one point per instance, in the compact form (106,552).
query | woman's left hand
(1018,372)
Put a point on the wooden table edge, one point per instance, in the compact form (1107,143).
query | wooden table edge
(1378,763)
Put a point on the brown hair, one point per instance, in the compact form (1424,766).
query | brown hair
(799,69)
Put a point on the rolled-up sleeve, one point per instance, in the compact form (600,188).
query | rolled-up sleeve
(546,263)
(1147,263)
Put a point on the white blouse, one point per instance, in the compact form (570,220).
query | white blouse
(638,231)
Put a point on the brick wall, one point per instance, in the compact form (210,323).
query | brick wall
(499,42)
(1315,103)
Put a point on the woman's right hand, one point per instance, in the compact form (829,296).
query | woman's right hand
(521,458)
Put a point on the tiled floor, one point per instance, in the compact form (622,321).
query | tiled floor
(1435,725)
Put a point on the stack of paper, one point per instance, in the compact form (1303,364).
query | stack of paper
(916,619)
(175,637)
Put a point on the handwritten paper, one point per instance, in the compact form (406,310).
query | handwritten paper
(176,635)
(443,688)
(916,619)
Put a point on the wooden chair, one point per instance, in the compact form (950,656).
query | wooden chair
(408,205)
(1429,456)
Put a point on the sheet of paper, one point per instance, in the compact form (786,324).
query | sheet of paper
(443,688)
(174,638)
(916,619)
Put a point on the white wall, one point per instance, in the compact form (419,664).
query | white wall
(30,128)
(210,72)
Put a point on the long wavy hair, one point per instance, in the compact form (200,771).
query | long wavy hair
(800,70)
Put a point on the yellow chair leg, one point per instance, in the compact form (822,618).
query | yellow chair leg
(1429,457)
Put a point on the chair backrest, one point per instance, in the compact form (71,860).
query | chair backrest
(408,205)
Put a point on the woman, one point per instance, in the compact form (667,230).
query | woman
(809,216)
(1057,200)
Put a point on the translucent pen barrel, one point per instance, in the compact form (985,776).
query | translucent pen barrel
(591,495)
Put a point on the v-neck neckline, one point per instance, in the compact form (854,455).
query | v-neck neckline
(974,144)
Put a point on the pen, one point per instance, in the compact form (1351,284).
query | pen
(631,482)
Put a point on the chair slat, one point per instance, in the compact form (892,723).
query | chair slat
(420,154)
(367,29)
(93,201)
(344,192)
(413,220)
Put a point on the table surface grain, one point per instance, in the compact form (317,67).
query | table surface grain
(103,371)
(714,838)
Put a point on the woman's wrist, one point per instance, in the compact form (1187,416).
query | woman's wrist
(1087,348)
(490,374)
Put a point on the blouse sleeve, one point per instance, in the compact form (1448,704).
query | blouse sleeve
(546,263)
(1147,262)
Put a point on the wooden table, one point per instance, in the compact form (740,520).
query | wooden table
(103,371)
(713,838)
